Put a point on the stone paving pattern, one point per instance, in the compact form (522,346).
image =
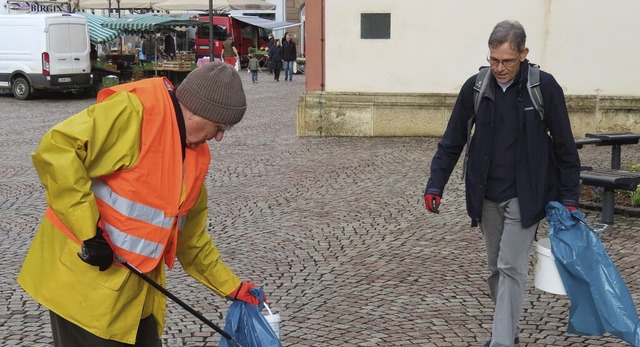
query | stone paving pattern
(334,228)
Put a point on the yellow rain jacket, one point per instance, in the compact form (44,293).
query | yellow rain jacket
(94,143)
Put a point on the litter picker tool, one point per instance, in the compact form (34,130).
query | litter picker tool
(179,302)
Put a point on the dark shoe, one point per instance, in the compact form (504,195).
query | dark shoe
(516,341)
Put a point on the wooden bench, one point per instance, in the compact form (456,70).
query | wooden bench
(610,179)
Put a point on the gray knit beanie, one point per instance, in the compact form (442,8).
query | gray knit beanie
(214,92)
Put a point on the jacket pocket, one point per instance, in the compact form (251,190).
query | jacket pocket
(113,278)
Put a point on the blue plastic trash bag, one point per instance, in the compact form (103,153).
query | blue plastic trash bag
(248,326)
(600,300)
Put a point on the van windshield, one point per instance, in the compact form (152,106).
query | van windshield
(219,32)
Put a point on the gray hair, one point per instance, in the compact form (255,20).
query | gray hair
(508,31)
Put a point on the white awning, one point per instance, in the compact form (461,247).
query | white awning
(218,5)
(113,4)
(265,23)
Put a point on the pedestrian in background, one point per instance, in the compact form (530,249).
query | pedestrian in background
(270,45)
(229,52)
(254,64)
(149,48)
(129,183)
(140,54)
(289,56)
(517,162)
(169,46)
(275,56)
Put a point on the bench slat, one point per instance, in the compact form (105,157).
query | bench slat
(616,179)
(611,139)
(591,141)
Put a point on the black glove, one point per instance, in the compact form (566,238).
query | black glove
(96,251)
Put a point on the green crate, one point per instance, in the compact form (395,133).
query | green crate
(110,81)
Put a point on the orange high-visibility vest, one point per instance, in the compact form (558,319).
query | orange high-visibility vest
(143,208)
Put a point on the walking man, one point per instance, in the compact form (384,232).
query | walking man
(289,55)
(517,162)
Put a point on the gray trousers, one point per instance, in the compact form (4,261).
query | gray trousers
(508,246)
(67,334)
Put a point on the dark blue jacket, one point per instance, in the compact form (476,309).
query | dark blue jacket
(275,53)
(547,167)
(289,52)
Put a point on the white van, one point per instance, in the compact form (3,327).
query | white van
(44,51)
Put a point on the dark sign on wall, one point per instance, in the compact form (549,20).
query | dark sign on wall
(375,25)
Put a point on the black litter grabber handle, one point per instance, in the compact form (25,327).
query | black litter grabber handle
(179,302)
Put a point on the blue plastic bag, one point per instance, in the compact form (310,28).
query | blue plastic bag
(600,300)
(248,326)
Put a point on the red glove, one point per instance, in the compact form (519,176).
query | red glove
(242,293)
(571,208)
(432,202)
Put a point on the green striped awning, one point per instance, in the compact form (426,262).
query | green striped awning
(149,24)
(97,33)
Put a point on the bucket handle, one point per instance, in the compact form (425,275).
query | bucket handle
(268,309)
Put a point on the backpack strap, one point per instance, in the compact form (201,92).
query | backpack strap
(533,86)
(482,80)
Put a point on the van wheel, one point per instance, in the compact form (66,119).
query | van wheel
(21,89)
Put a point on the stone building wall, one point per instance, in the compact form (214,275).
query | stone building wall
(394,114)
(292,14)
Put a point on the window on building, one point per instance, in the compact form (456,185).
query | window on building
(375,25)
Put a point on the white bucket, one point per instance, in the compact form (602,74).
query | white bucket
(273,320)
(546,276)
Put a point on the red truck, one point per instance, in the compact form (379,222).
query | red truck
(244,35)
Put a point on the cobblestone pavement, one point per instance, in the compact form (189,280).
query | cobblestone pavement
(334,228)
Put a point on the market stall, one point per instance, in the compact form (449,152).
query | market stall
(176,70)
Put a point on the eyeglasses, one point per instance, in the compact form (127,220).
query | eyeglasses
(506,63)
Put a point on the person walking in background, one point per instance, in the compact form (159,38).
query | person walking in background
(139,44)
(229,52)
(101,170)
(169,45)
(275,56)
(517,162)
(270,45)
(149,48)
(289,55)
(254,64)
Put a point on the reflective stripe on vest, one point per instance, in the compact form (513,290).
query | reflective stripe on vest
(134,244)
(130,208)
